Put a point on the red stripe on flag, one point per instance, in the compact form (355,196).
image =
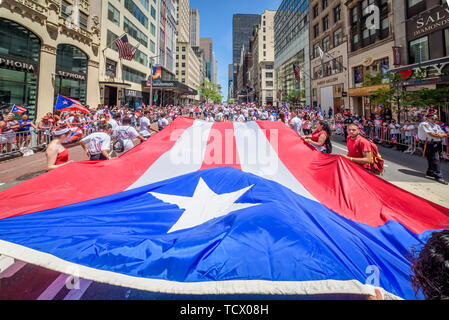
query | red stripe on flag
(349,190)
(221,150)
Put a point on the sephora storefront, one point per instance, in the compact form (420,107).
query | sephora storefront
(71,73)
(19,66)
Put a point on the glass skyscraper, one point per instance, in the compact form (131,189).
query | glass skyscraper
(242,31)
(291,47)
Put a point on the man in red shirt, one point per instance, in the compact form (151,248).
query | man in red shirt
(359,149)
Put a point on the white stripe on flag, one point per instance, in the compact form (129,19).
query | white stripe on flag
(257,156)
(186,156)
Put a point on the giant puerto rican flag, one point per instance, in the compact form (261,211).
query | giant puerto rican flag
(222,208)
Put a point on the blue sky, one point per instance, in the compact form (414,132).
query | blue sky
(216,23)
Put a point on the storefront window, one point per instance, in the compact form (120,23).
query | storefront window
(419,50)
(19,66)
(71,73)
(18,42)
(71,58)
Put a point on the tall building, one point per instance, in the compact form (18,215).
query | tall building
(121,80)
(262,49)
(422,39)
(211,66)
(242,31)
(183,21)
(49,48)
(230,82)
(370,52)
(330,79)
(167,34)
(187,63)
(291,47)
(194,28)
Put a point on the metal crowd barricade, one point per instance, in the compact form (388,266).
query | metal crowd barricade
(21,142)
(385,136)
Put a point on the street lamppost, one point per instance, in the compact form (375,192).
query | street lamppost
(151,78)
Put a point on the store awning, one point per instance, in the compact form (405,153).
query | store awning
(115,84)
(174,86)
(366,91)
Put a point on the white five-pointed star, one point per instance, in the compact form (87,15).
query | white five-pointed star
(204,205)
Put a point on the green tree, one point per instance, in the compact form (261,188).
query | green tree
(210,92)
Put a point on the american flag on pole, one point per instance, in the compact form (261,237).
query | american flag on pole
(296,70)
(124,48)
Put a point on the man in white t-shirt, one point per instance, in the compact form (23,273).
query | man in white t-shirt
(145,125)
(98,144)
(296,123)
(162,122)
(127,134)
(209,117)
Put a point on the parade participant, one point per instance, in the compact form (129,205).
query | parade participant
(359,148)
(57,154)
(320,138)
(125,135)
(432,136)
(98,144)
(431,268)
(162,122)
(145,125)
(296,123)
(306,125)
(209,117)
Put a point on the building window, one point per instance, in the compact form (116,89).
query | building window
(324,4)
(153,13)
(153,29)
(316,30)
(136,12)
(132,75)
(315,11)
(269,75)
(419,50)
(326,44)
(71,59)
(113,14)
(269,83)
(354,15)
(337,13)
(152,46)
(412,3)
(325,23)
(134,32)
(338,37)
(316,51)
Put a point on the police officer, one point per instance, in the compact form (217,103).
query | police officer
(432,135)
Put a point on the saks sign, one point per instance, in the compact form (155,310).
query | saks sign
(9,63)
(429,22)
